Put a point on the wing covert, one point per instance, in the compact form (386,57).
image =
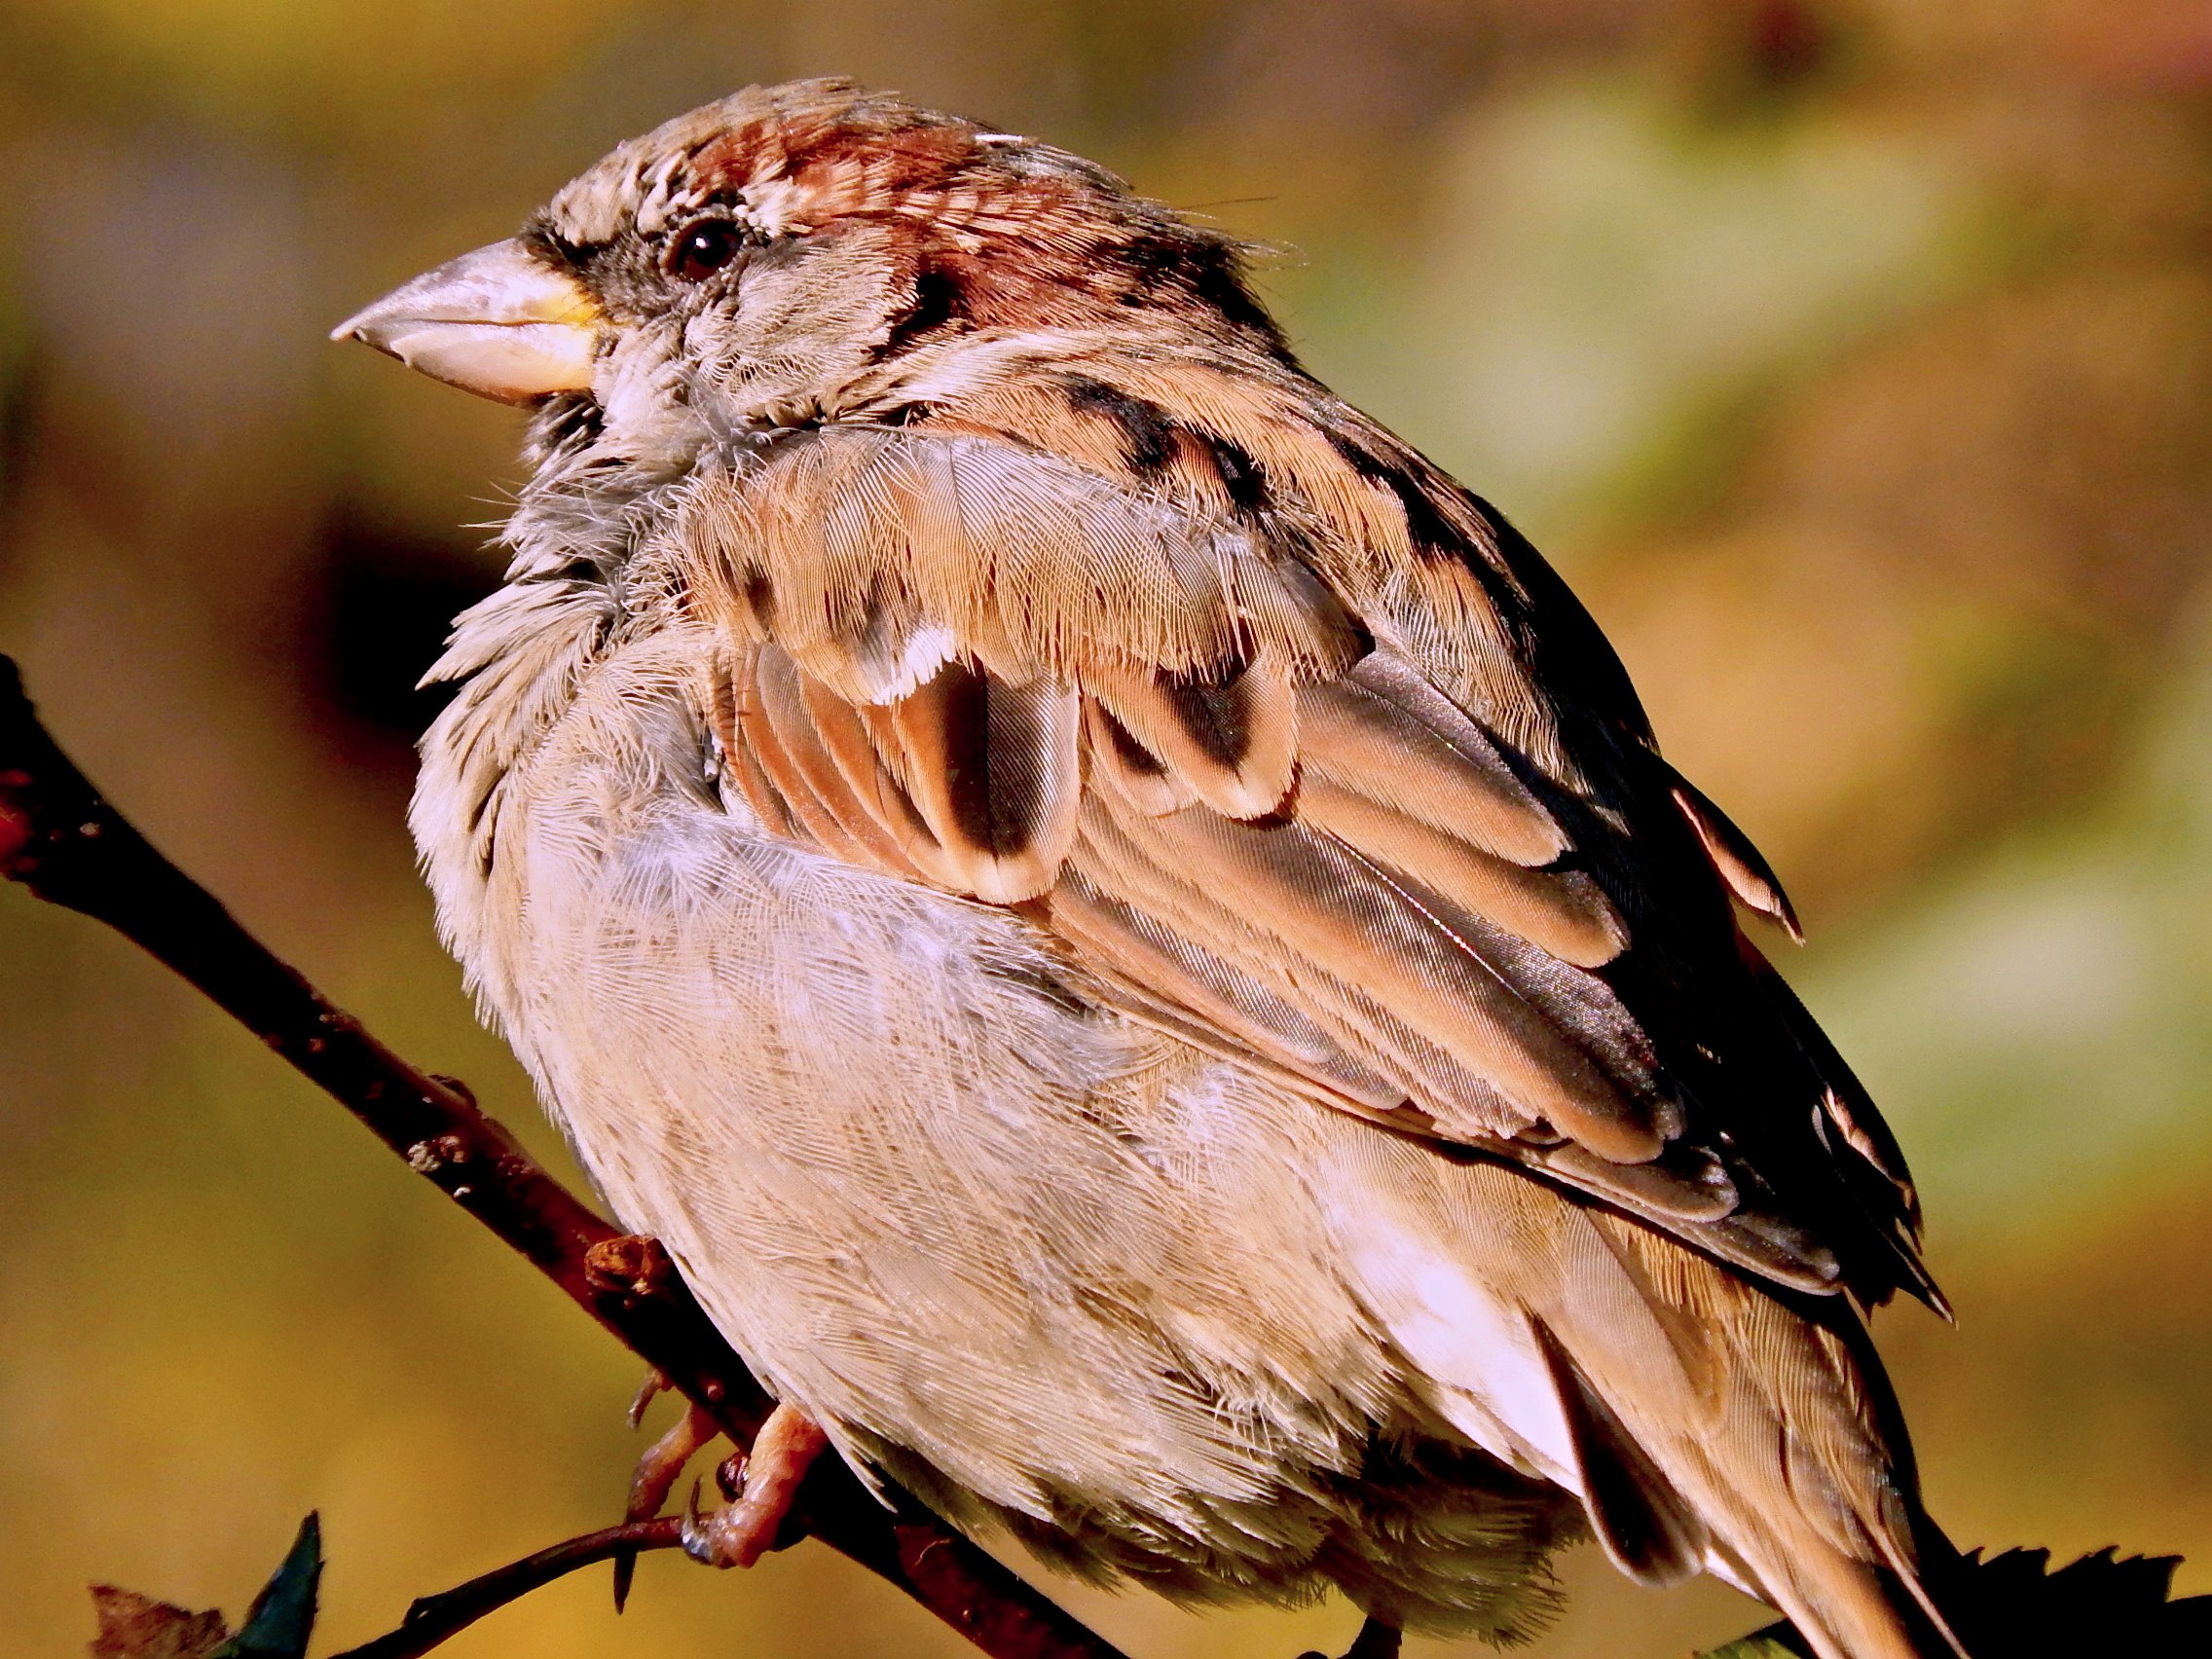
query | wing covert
(1206,721)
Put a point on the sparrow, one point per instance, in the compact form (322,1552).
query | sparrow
(1129,937)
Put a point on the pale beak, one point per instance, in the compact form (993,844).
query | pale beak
(499,323)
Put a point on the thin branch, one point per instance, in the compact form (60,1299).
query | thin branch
(67,845)
(434,1620)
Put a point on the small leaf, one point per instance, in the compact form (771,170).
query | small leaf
(282,1616)
(139,1627)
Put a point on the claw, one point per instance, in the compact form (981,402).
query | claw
(655,1385)
(762,1485)
(696,1543)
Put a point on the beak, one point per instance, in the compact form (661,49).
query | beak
(499,323)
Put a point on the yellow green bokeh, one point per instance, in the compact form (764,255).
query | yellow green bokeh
(1854,357)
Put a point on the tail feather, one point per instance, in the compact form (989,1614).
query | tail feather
(1793,1479)
(1847,1607)
(2016,1603)
(1640,1518)
(1707,1422)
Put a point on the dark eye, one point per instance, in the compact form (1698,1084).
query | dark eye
(703,247)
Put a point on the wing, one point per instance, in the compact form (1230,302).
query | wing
(1297,749)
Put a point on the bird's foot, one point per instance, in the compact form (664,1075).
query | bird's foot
(658,1470)
(1375,1641)
(760,1486)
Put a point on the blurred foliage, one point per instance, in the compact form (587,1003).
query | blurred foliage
(1853,357)
(2015,1603)
(281,1619)
(277,1626)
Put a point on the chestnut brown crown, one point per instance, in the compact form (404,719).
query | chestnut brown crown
(752,258)
(982,228)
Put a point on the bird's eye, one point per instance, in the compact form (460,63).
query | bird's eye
(703,247)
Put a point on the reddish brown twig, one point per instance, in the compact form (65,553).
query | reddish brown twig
(434,1618)
(66,844)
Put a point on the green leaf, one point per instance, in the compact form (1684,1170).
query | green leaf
(282,1616)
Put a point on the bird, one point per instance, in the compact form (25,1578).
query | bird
(1129,937)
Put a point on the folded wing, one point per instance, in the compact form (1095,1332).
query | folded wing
(1278,774)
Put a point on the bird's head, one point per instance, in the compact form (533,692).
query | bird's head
(800,253)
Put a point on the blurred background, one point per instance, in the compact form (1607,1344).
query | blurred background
(1853,357)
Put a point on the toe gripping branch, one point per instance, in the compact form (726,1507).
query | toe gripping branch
(65,843)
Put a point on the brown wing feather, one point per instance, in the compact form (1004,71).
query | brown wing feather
(1433,997)
(1121,763)
(992,769)
(1304,757)
(1740,865)
(1561,912)
(785,754)
(1385,731)
(1178,983)
(1648,1528)
(1229,737)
